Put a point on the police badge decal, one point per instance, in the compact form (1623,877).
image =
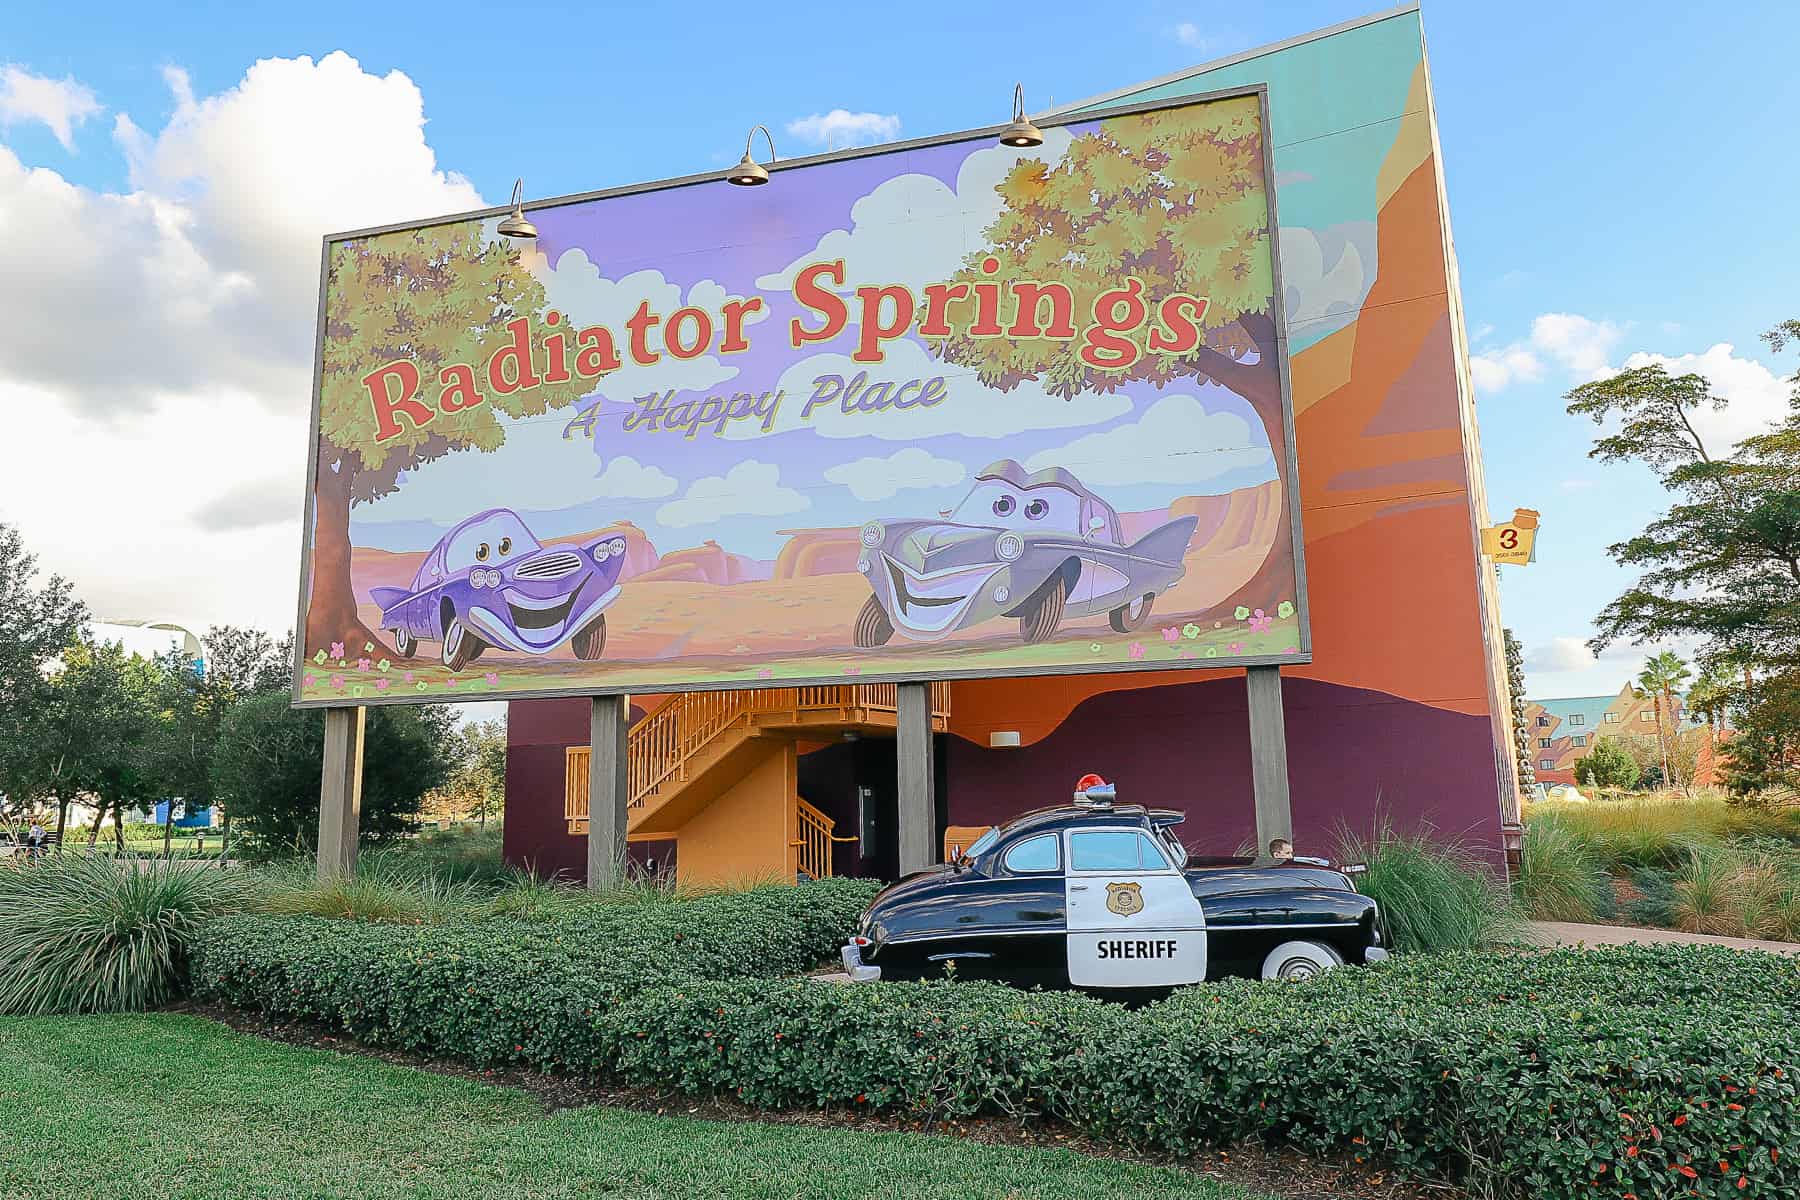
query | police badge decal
(1124,898)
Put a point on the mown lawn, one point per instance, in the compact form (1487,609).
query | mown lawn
(163,1106)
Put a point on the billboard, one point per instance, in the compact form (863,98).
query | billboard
(944,409)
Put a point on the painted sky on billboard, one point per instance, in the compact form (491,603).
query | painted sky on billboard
(951,409)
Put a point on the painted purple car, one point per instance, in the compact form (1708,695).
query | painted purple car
(489,582)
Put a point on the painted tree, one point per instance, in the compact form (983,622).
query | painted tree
(434,296)
(1176,199)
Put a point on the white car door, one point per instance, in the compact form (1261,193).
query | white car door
(1133,919)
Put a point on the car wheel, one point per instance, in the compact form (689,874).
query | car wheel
(873,628)
(1043,612)
(590,642)
(404,645)
(1128,617)
(1296,961)
(460,646)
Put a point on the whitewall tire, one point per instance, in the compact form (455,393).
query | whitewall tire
(1296,961)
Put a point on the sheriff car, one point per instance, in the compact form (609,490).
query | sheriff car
(1103,895)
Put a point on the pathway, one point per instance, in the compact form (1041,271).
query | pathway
(1568,933)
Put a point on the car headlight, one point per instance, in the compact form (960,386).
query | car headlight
(478,578)
(617,546)
(862,563)
(602,552)
(494,579)
(1009,546)
(872,533)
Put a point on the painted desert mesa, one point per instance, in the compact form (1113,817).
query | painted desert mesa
(947,410)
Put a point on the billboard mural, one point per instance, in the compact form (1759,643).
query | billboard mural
(944,410)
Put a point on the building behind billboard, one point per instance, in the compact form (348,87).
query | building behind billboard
(1401,714)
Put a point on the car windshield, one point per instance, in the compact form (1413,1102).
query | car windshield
(496,539)
(999,504)
(981,845)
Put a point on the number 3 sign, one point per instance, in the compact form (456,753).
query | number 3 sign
(1514,542)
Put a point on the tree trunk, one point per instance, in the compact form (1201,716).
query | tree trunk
(62,820)
(119,825)
(1662,742)
(99,819)
(225,839)
(168,829)
(331,610)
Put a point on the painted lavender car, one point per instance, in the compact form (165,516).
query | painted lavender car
(488,582)
(1035,546)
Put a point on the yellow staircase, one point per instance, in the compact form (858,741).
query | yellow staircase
(717,771)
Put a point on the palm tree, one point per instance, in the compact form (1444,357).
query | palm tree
(1707,698)
(1662,674)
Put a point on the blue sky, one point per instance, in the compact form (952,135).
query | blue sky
(1620,167)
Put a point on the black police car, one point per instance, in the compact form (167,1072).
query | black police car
(1098,895)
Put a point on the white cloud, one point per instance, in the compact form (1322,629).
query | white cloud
(576,286)
(205,274)
(1176,441)
(1193,37)
(882,478)
(1576,344)
(1758,397)
(749,489)
(625,478)
(840,128)
(156,385)
(1326,273)
(1559,654)
(59,104)
(968,408)
(941,225)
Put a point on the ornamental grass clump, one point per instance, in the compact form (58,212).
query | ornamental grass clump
(1435,897)
(1560,876)
(84,933)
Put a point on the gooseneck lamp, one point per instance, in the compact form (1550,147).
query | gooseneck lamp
(514,224)
(1021,133)
(749,172)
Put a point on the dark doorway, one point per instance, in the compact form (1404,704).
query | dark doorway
(856,784)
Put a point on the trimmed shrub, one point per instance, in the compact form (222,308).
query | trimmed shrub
(1657,1071)
(1435,897)
(89,933)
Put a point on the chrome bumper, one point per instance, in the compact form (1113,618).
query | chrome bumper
(1375,954)
(854,966)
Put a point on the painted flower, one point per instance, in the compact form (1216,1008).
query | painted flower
(1236,647)
(1185,654)
(311,679)
(1212,652)
(368,647)
(493,678)
(383,665)
(1285,609)
(1095,647)
(765,673)
(452,681)
(420,685)
(1291,650)
(409,677)
(337,681)
(1260,622)
(1136,650)
(382,685)
(1240,613)
(356,691)
(363,664)
(853,670)
(320,658)
(1171,634)
(1191,630)
(337,649)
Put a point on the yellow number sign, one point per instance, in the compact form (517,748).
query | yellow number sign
(1514,542)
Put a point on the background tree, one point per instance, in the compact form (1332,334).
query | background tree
(97,734)
(267,761)
(1170,198)
(36,624)
(1607,765)
(437,295)
(1663,674)
(1515,684)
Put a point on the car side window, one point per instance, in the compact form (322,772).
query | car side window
(1114,850)
(1034,855)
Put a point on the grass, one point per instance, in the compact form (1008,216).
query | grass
(1700,864)
(1434,896)
(87,933)
(183,1109)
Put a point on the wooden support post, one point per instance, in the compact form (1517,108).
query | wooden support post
(1268,757)
(340,790)
(608,791)
(912,747)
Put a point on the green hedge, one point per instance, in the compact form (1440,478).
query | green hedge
(1555,1073)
